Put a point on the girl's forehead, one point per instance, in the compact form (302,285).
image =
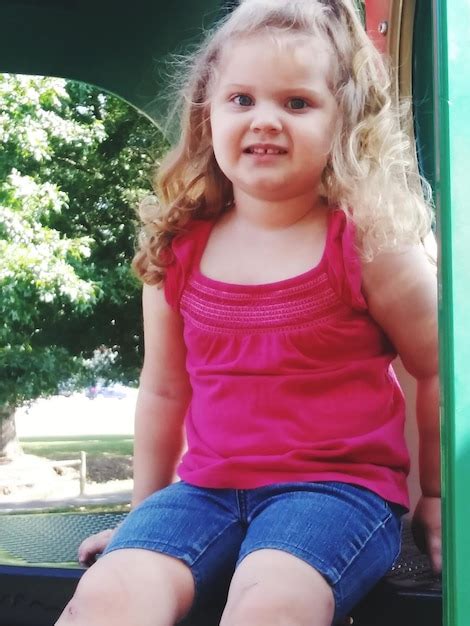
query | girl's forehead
(286,54)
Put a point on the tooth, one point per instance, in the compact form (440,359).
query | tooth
(258,150)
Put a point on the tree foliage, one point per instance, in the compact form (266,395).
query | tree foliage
(73,164)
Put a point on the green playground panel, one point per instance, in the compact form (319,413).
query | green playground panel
(452,18)
(423,90)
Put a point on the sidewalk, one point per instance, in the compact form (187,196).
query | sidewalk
(105,499)
(30,483)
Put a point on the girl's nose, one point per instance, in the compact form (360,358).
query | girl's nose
(267,120)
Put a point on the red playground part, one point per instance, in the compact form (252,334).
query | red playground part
(378,14)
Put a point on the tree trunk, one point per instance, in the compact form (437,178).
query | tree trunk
(9,444)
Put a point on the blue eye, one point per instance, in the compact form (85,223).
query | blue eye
(297,104)
(243,100)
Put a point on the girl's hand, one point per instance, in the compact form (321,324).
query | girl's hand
(93,545)
(426,527)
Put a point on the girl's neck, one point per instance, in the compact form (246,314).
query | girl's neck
(273,215)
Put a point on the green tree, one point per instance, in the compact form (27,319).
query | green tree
(73,164)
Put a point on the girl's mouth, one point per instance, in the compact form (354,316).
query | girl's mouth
(265,150)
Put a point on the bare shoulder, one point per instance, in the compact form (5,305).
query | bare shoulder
(405,269)
(401,291)
(154,301)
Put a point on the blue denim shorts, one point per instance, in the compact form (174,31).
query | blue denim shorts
(347,533)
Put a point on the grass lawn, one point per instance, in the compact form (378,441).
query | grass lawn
(60,447)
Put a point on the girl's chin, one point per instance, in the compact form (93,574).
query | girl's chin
(263,181)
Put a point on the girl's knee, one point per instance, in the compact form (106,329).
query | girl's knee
(258,610)
(93,597)
(271,587)
(72,614)
(142,588)
(256,613)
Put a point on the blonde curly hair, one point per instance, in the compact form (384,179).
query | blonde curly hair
(371,173)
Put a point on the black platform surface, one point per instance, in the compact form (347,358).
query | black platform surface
(39,572)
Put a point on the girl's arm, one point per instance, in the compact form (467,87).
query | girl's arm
(401,290)
(162,400)
(163,397)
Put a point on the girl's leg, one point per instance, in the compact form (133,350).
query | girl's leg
(129,588)
(311,552)
(274,588)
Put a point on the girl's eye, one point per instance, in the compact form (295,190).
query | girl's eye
(297,104)
(243,100)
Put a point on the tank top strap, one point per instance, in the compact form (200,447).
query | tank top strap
(186,251)
(344,264)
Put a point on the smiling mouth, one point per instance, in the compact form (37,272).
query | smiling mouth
(262,151)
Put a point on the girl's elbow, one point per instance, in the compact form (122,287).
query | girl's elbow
(424,369)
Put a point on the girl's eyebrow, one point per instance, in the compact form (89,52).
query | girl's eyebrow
(301,90)
(287,91)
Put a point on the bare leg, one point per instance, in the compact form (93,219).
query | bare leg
(274,588)
(131,588)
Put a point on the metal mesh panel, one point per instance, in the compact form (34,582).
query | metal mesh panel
(54,538)
(50,538)
(412,570)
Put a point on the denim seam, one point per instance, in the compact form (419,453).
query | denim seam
(398,551)
(382,524)
(364,544)
(214,539)
(242,505)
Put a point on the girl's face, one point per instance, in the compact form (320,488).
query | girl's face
(273,116)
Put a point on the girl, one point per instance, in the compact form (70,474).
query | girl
(283,272)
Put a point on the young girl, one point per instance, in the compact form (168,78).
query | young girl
(284,271)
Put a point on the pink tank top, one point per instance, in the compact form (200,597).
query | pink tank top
(292,380)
